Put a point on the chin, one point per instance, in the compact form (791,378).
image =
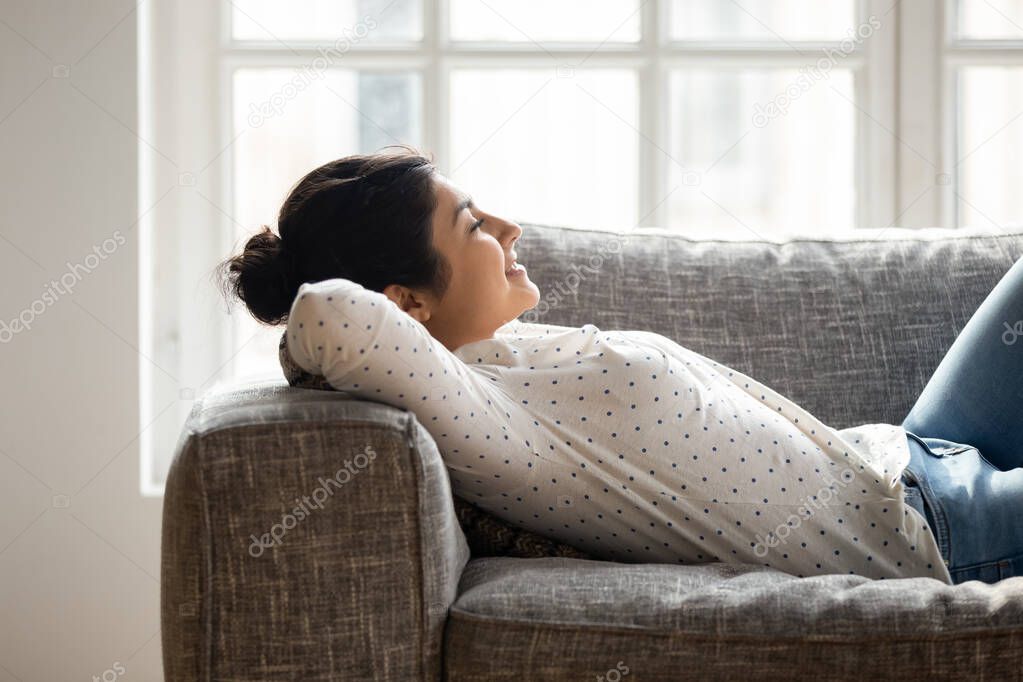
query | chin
(531,301)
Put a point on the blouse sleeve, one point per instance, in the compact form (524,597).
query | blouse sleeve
(361,342)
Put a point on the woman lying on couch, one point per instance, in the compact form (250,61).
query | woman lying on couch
(396,287)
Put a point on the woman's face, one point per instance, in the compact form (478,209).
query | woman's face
(481,295)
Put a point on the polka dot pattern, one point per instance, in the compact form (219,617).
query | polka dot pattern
(626,444)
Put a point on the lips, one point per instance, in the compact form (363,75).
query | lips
(515,269)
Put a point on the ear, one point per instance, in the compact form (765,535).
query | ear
(408,300)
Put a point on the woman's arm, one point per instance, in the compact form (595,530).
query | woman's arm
(362,342)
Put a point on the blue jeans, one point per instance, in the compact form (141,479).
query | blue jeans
(966,474)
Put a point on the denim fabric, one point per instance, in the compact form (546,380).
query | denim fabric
(975,395)
(972,507)
(915,499)
(965,435)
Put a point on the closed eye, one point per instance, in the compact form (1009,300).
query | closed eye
(476,225)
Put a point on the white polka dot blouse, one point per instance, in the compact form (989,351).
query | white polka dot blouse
(625,444)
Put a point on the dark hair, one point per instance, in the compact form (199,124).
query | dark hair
(367,218)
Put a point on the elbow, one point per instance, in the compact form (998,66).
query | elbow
(302,329)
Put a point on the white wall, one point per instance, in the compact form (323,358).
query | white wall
(79,590)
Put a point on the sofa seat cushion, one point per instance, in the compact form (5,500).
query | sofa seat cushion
(565,618)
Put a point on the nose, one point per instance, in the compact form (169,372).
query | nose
(505,231)
(512,231)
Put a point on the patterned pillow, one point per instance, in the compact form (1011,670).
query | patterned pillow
(486,534)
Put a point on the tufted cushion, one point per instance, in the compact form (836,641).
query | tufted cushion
(569,619)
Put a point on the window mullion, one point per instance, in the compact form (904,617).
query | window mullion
(653,102)
(877,143)
(922,177)
(948,74)
(436,82)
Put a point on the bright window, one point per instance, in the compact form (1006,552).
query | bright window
(743,119)
(985,78)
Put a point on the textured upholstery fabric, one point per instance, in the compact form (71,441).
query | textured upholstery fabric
(487,535)
(363,587)
(358,589)
(850,328)
(561,619)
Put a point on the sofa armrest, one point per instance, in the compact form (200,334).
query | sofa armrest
(306,535)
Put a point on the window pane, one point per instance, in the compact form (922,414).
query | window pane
(342,23)
(990,19)
(752,157)
(532,145)
(769,20)
(551,20)
(284,133)
(990,137)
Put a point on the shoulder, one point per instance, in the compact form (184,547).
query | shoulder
(341,300)
(517,327)
(333,289)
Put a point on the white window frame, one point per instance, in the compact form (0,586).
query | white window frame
(927,130)
(187,85)
(929,57)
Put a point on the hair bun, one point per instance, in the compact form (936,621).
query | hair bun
(264,276)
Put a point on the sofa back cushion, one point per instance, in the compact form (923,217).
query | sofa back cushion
(849,327)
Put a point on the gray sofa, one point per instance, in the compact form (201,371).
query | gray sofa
(377,582)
